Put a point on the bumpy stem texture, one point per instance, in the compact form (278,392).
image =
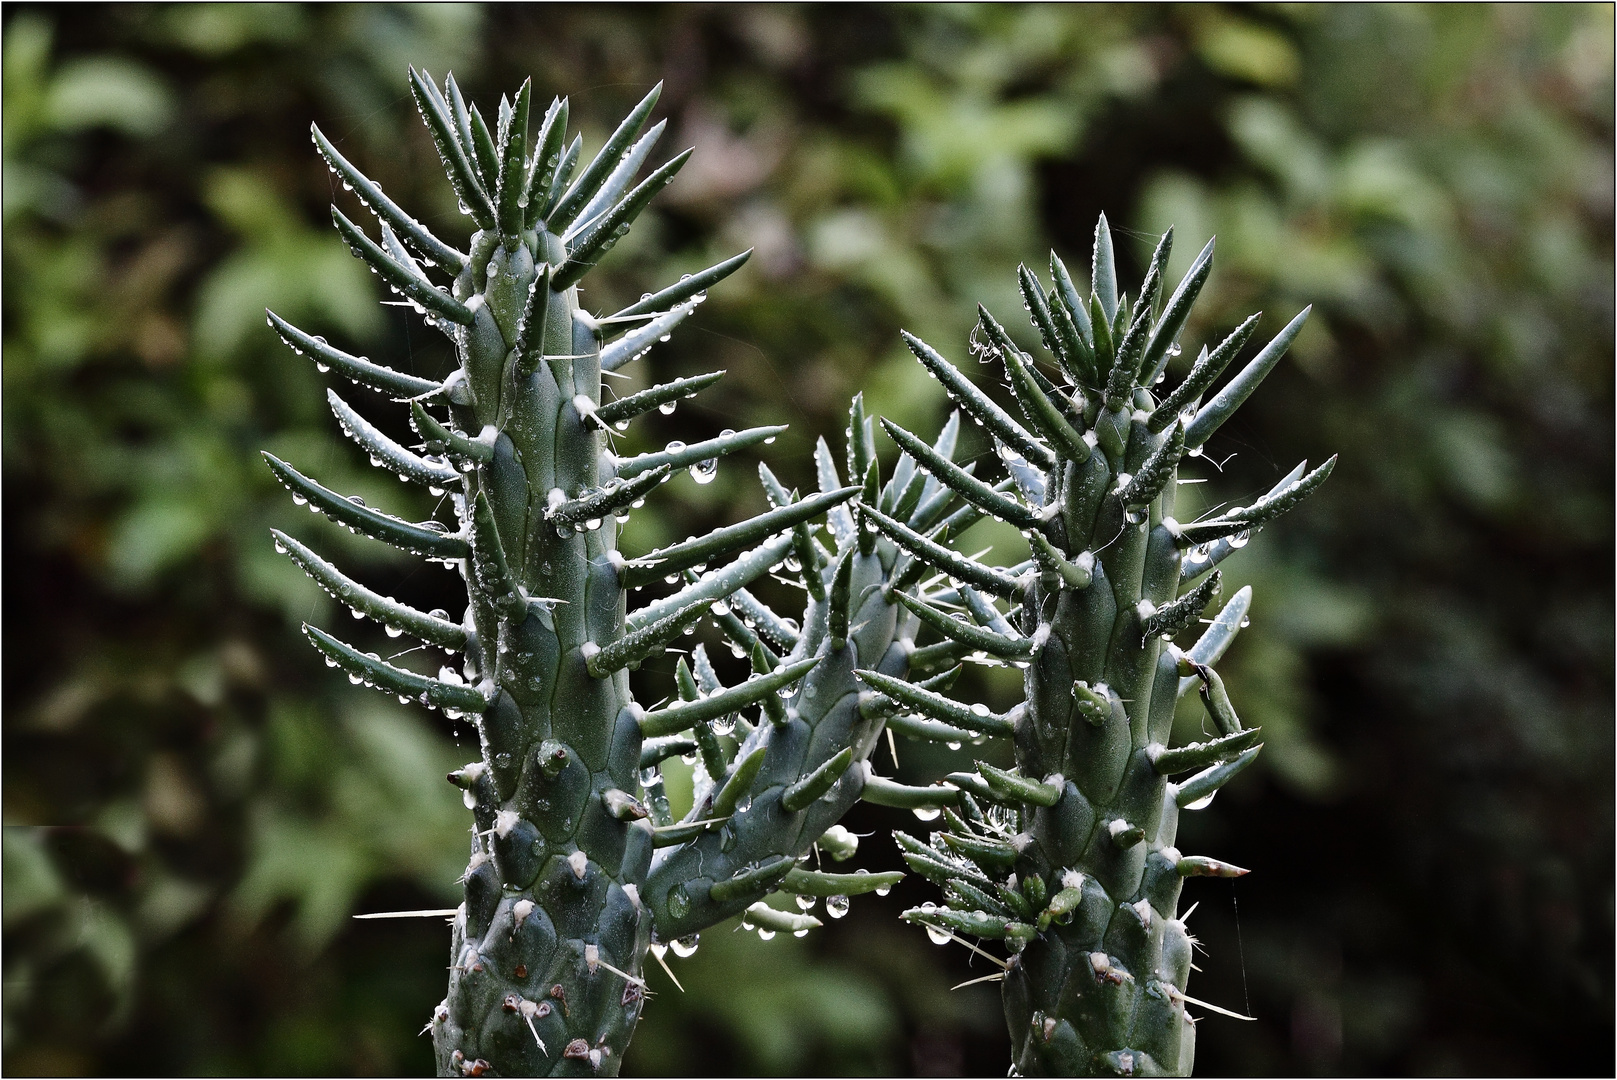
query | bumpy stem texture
(576,867)
(1070,858)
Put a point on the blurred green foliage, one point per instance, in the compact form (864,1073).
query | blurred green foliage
(194,807)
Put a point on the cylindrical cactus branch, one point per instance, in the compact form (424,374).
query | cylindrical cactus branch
(577,869)
(1069,859)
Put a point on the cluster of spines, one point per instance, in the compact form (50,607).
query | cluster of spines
(822,732)
(1092,466)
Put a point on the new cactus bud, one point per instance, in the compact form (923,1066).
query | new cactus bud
(1068,859)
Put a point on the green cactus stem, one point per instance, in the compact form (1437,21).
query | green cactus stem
(577,869)
(1069,859)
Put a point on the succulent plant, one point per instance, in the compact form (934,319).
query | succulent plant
(1069,858)
(577,868)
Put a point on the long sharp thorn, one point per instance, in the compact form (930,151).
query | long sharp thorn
(1208,367)
(416,234)
(671,560)
(635,343)
(977,637)
(601,166)
(618,182)
(950,562)
(978,404)
(638,404)
(1210,416)
(698,452)
(809,789)
(383,609)
(936,705)
(1208,781)
(513,167)
(462,174)
(598,504)
(1043,412)
(1175,313)
(717,584)
(395,384)
(389,453)
(677,717)
(1103,270)
(684,289)
(962,483)
(417,539)
(410,284)
(441,695)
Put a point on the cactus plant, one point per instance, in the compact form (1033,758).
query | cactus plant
(1069,858)
(577,869)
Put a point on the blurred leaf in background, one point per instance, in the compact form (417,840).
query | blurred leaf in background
(193,806)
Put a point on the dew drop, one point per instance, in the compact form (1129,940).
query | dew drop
(685,946)
(938,937)
(805,903)
(667,408)
(703,472)
(979,709)
(925,813)
(765,935)
(393,631)
(836,906)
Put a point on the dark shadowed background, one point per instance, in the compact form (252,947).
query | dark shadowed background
(194,805)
